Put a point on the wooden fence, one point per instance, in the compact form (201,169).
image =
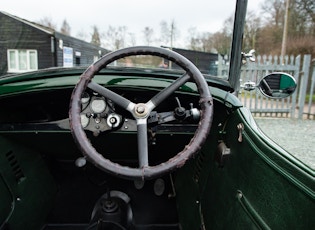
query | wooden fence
(299,105)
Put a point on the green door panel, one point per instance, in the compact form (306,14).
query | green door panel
(25,185)
(6,201)
(280,192)
(260,186)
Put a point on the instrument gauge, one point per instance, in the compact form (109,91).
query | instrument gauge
(85,97)
(84,120)
(98,105)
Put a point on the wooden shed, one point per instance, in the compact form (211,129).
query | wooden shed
(27,46)
(206,62)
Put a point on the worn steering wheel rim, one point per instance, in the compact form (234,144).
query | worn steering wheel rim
(144,171)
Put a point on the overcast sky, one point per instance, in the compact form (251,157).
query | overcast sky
(81,15)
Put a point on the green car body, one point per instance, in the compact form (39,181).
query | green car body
(257,185)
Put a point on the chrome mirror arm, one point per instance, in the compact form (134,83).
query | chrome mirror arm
(249,55)
(249,86)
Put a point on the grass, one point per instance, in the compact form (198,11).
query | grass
(308,97)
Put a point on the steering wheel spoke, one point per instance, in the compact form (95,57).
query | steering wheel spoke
(116,98)
(165,93)
(142,136)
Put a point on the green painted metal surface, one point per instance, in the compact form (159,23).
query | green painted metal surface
(67,78)
(26,187)
(260,186)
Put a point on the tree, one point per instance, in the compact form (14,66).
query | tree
(65,28)
(169,33)
(82,35)
(219,42)
(222,40)
(193,39)
(164,33)
(269,36)
(115,38)
(305,16)
(251,29)
(148,35)
(206,42)
(96,39)
(131,39)
(301,45)
(300,30)
(48,22)
(274,12)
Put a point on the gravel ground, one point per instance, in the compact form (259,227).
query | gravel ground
(296,136)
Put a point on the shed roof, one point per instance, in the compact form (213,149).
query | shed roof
(33,24)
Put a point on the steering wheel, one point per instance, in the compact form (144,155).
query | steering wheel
(140,112)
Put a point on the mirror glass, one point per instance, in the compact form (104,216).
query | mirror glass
(277,85)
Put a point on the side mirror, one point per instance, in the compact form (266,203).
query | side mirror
(277,85)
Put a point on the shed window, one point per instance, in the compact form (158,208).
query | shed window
(22,60)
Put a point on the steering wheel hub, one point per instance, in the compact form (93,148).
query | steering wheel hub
(141,110)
